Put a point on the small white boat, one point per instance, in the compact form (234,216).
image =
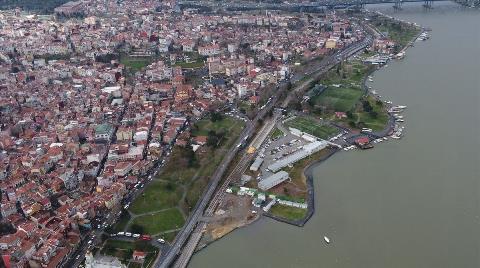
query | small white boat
(327,240)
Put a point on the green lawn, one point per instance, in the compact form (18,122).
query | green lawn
(311,127)
(121,223)
(400,37)
(400,33)
(376,123)
(277,133)
(180,177)
(161,221)
(169,236)
(202,127)
(343,87)
(158,195)
(286,212)
(135,63)
(190,65)
(339,99)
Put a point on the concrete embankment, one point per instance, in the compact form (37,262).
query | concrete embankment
(308,173)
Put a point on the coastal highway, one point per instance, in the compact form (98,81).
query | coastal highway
(239,169)
(167,259)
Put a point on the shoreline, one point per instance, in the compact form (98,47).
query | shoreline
(307,171)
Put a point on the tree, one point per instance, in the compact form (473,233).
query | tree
(137,229)
(270,113)
(170,186)
(141,245)
(189,154)
(373,114)
(349,114)
(366,106)
(212,139)
(215,116)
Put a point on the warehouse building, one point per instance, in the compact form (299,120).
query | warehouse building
(307,150)
(256,164)
(273,180)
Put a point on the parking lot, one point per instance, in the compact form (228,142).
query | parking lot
(275,149)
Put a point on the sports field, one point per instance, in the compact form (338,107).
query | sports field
(339,99)
(312,127)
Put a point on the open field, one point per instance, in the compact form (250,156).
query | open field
(339,99)
(202,127)
(169,236)
(135,63)
(312,127)
(168,199)
(190,65)
(160,221)
(158,195)
(400,33)
(377,122)
(289,213)
(343,87)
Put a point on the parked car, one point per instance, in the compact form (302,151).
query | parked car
(146,237)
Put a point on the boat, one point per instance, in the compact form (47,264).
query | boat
(400,55)
(327,240)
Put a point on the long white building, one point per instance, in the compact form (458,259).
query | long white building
(273,180)
(307,150)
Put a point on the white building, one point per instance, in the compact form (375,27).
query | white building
(256,164)
(102,262)
(307,150)
(140,136)
(273,180)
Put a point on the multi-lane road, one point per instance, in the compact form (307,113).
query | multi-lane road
(239,169)
(192,220)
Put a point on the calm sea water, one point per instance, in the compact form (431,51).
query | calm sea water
(408,203)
